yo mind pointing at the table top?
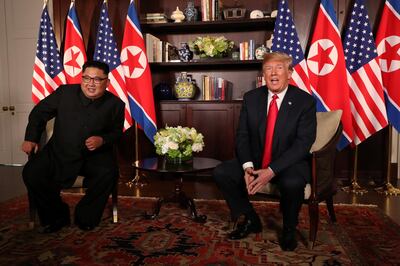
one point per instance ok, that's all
(160, 165)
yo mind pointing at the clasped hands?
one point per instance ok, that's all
(256, 179)
(91, 143)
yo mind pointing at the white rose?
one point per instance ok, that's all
(196, 147)
(172, 145)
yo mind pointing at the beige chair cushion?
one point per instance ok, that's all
(272, 189)
(327, 125)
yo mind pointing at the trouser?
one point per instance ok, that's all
(229, 177)
(39, 178)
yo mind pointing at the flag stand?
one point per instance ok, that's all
(354, 186)
(136, 180)
(388, 188)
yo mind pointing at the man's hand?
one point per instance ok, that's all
(248, 177)
(263, 177)
(28, 147)
(94, 142)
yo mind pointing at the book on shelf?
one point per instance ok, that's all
(216, 89)
(153, 48)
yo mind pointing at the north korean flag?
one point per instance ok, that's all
(74, 48)
(388, 46)
(327, 69)
(137, 75)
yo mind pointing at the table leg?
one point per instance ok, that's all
(178, 196)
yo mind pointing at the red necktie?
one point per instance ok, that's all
(269, 131)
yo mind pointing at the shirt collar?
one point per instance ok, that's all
(280, 94)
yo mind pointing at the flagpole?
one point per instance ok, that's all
(388, 188)
(354, 187)
(136, 180)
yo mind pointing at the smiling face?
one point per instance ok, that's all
(277, 71)
(94, 82)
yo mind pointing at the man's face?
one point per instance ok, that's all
(276, 75)
(94, 82)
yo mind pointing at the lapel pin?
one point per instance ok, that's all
(290, 103)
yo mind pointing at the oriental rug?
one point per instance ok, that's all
(363, 235)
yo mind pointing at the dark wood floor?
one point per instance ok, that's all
(198, 187)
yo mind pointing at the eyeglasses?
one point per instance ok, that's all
(96, 80)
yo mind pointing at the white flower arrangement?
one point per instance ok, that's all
(178, 142)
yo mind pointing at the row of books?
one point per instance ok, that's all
(214, 88)
(260, 81)
(210, 10)
(155, 18)
(160, 51)
(247, 50)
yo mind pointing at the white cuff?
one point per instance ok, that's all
(247, 165)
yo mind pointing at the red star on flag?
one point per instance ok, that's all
(132, 61)
(323, 56)
(73, 62)
(390, 54)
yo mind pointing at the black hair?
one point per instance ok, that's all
(96, 64)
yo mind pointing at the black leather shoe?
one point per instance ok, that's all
(56, 226)
(245, 228)
(288, 241)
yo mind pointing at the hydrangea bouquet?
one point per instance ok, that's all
(211, 46)
(178, 142)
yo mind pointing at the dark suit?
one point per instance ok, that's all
(65, 156)
(294, 133)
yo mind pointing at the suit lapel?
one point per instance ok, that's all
(262, 115)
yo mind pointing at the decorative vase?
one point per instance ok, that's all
(260, 52)
(179, 160)
(163, 91)
(177, 15)
(185, 55)
(184, 88)
(191, 11)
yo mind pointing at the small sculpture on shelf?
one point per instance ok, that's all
(185, 55)
(190, 11)
(177, 15)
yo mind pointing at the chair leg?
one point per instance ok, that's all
(32, 212)
(313, 212)
(114, 197)
(331, 210)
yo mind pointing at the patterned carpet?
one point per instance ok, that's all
(362, 236)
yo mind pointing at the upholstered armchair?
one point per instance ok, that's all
(323, 184)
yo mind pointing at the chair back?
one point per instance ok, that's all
(329, 130)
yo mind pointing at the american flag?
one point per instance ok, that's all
(388, 45)
(74, 48)
(286, 40)
(137, 75)
(364, 77)
(106, 51)
(48, 72)
(327, 69)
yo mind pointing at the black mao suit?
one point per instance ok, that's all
(294, 133)
(65, 156)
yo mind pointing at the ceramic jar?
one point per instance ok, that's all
(185, 55)
(261, 51)
(190, 11)
(177, 15)
(184, 88)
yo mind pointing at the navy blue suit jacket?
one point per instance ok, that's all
(294, 132)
